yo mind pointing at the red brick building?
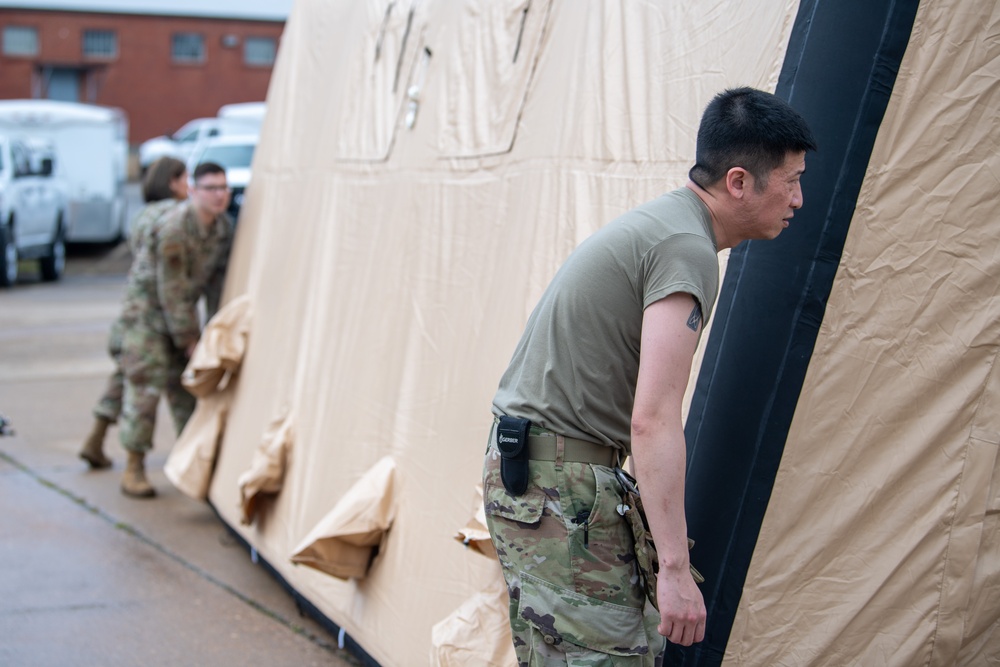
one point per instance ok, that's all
(162, 70)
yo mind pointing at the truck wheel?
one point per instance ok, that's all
(8, 258)
(54, 263)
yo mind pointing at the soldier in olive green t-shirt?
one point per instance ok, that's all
(562, 376)
(601, 372)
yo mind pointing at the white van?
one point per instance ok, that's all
(91, 145)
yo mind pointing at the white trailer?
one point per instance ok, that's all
(91, 147)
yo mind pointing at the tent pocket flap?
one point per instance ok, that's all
(192, 459)
(475, 534)
(345, 542)
(477, 634)
(595, 624)
(267, 468)
(220, 349)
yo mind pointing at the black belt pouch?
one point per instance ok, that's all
(512, 441)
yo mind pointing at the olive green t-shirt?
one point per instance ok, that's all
(574, 370)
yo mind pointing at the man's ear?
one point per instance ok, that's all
(738, 182)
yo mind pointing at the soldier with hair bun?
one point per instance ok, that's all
(164, 187)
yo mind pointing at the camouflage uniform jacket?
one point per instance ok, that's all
(144, 220)
(178, 260)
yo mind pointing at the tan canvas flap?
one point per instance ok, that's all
(475, 534)
(220, 349)
(192, 459)
(209, 377)
(267, 469)
(346, 540)
(477, 633)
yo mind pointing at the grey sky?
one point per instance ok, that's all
(243, 9)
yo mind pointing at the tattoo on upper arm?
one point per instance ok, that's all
(694, 319)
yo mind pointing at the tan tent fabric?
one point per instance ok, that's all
(394, 241)
(346, 541)
(880, 543)
(477, 633)
(267, 468)
(210, 375)
(488, 73)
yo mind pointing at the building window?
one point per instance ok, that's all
(259, 51)
(100, 44)
(20, 41)
(188, 47)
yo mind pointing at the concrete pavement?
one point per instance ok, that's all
(88, 576)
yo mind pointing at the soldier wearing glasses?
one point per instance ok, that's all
(182, 258)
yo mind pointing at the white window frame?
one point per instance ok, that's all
(105, 40)
(186, 40)
(260, 51)
(20, 40)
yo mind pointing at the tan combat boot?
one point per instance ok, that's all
(93, 446)
(134, 481)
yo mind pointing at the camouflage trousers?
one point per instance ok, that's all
(569, 562)
(152, 367)
(110, 404)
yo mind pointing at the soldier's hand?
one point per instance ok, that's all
(682, 607)
(190, 349)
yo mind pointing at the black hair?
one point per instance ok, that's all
(746, 127)
(207, 168)
(159, 175)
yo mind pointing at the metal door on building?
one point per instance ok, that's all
(62, 83)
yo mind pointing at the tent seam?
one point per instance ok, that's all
(947, 561)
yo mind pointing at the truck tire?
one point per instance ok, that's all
(8, 258)
(54, 263)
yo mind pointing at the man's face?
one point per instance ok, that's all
(769, 211)
(210, 194)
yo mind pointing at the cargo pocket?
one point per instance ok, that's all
(603, 561)
(525, 508)
(513, 521)
(579, 626)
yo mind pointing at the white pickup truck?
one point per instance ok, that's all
(32, 211)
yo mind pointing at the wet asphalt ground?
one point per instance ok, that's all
(88, 576)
